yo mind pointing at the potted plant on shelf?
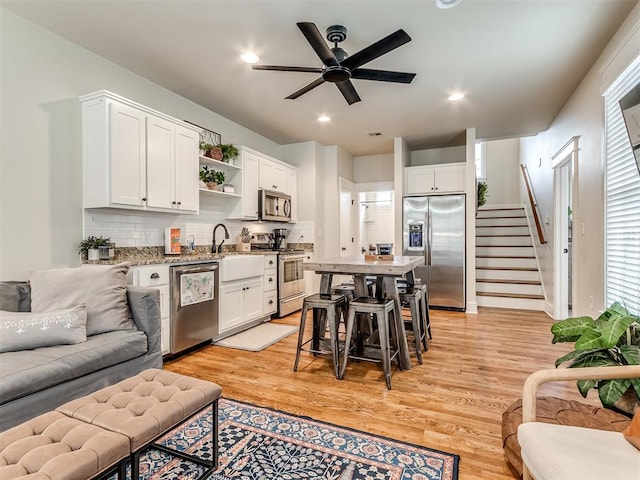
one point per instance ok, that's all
(229, 152)
(91, 247)
(211, 177)
(211, 151)
(611, 339)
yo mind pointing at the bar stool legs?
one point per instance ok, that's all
(385, 316)
(325, 308)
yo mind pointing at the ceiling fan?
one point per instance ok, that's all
(339, 67)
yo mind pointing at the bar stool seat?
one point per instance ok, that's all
(424, 302)
(383, 309)
(326, 310)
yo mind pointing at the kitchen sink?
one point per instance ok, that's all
(236, 267)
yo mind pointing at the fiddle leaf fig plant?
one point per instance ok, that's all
(611, 339)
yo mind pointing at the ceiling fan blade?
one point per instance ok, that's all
(280, 68)
(306, 88)
(382, 75)
(315, 39)
(348, 92)
(377, 49)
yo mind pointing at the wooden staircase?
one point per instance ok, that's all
(506, 270)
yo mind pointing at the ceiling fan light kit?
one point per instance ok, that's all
(338, 67)
(444, 4)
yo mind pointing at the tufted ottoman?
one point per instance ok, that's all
(145, 407)
(53, 446)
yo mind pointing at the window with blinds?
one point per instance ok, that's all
(622, 196)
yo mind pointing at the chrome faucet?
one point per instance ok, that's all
(226, 237)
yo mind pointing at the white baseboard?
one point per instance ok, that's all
(472, 308)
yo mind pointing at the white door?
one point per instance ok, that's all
(347, 218)
(160, 163)
(231, 300)
(253, 299)
(186, 169)
(128, 155)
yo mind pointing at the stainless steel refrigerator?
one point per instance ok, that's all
(434, 227)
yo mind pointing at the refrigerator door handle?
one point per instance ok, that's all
(427, 251)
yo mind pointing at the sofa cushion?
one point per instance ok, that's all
(102, 288)
(29, 371)
(28, 330)
(15, 296)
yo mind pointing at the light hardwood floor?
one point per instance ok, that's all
(474, 369)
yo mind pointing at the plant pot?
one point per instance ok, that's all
(214, 153)
(93, 255)
(211, 185)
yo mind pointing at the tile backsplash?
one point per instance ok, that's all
(131, 228)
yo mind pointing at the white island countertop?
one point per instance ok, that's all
(356, 264)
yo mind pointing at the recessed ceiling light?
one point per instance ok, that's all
(324, 118)
(447, 3)
(250, 57)
(456, 96)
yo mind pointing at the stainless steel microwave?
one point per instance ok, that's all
(274, 206)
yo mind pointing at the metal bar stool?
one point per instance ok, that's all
(386, 324)
(413, 297)
(424, 307)
(326, 309)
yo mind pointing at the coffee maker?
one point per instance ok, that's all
(279, 238)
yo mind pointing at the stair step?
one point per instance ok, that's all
(508, 251)
(517, 269)
(508, 288)
(504, 235)
(482, 222)
(528, 296)
(514, 282)
(505, 261)
(510, 302)
(500, 212)
(500, 230)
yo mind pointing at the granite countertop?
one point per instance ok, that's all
(155, 255)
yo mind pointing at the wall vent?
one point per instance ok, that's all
(374, 134)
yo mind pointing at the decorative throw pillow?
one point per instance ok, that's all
(102, 288)
(632, 432)
(15, 296)
(29, 330)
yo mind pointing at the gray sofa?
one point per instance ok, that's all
(38, 380)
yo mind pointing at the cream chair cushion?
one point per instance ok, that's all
(561, 452)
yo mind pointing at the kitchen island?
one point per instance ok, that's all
(386, 271)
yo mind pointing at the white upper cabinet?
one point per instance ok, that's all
(246, 207)
(434, 179)
(273, 176)
(135, 157)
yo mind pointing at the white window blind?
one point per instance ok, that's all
(622, 192)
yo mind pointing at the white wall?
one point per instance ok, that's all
(582, 116)
(434, 156)
(502, 161)
(40, 165)
(373, 168)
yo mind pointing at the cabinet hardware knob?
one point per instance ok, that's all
(144, 199)
(271, 279)
(173, 203)
(270, 302)
(155, 275)
(179, 203)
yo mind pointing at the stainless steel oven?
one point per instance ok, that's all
(290, 282)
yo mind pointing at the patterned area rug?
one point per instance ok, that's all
(263, 444)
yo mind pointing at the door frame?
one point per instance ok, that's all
(565, 173)
(347, 186)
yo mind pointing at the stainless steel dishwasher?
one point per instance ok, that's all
(194, 305)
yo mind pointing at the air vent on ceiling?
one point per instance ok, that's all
(374, 134)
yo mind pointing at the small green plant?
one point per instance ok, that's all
(92, 242)
(205, 146)
(482, 193)
(611, 339)
(209, 175)
(228, 151)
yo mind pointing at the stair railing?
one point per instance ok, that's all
(534, 203)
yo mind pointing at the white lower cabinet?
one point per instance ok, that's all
(241, 301)
(156, 276)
